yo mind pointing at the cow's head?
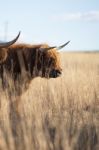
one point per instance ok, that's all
(47, 62)
(4, 46)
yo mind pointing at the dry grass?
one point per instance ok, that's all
(55, 114)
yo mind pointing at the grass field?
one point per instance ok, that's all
(55, 114)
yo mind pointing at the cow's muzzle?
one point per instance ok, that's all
(55, 73)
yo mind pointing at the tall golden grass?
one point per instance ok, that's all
(54, 114)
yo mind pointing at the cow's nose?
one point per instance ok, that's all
(55, 73)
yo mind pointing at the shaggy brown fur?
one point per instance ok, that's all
(32, 60)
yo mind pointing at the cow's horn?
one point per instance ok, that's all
(7, 44)
(62, 46)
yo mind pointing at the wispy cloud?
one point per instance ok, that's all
(78, 16)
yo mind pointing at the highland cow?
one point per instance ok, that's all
(26, 61)
(23, 62)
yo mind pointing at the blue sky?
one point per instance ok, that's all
(52, 21)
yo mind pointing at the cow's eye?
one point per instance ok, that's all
(50, 62)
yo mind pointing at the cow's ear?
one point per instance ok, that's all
(47, 49)
(3, 55)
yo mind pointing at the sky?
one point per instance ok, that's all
(51, 21)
